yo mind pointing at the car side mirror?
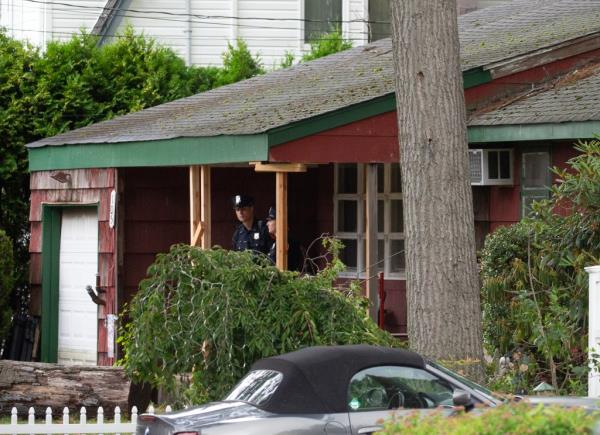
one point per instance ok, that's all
(462, 398)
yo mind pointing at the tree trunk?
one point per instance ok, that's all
(444, 314)
(26, 384)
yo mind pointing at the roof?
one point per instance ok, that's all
(351, 78)
(569, 103)
(316, 379)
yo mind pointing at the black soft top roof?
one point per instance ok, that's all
(315, 379)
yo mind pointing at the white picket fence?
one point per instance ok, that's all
(66, 427)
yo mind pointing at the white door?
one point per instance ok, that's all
(77, 314)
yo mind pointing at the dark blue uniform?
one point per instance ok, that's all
(295, 256)
(256, 238)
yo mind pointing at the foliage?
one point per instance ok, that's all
(16, 62)
(534, 285)
(326, 44)
(238, 64)
(515, 418)
(6, 282)
(215, 312)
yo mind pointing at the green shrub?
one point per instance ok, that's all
(238, 64)
(6, 282)
(519, 418)
(326, 44)
(214, 312)
(535, 288)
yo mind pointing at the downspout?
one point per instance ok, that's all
(188, 31)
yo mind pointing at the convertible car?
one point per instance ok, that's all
(331, 390)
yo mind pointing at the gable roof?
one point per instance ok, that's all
(570, 107)
(327, 92)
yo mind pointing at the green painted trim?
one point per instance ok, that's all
(356, 112)
(530, 132)
(337, 118)
(51, 218)
(476, 77)
(171, 152)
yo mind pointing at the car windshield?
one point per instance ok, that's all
(256, 387)
(465, 381)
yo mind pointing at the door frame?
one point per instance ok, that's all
(51, 230)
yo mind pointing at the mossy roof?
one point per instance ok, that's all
(326, 85)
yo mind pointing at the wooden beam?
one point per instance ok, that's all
(194, 202)
(371, 240)
(281, 221)
(205, 209)
(278, 167)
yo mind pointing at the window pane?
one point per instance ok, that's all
(380, 255)
(380, 179)
(397, 257)
(392, 387)
(397, 216)
(380, 216)
(535, 169)
(347, 216)
(379, 19)
(505, 165)
(347, 178)
(396, 178)
(493, 165)
(256, 387)
(349, 253)
(322, 16)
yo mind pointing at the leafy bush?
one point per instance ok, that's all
(215, 312)
(516, 418)
(238, 64)
(534, 290)
(6, 282)
(326, 44)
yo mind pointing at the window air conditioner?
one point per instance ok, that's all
(491, 167)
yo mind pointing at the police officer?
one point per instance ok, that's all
(250, 234)
(295, 256)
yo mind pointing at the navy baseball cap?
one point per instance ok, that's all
(271, 214)
(239, 201)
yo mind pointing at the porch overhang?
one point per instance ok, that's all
(533, 132)
(182, 151)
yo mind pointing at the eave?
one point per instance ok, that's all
(533, 132)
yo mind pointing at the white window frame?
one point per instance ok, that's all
(360, 235)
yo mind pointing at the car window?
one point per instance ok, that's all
(256, 387)
(391, 387)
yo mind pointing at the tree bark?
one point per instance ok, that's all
(444, 314)
(26, 384)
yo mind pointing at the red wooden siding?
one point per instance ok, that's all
(85, 187)
(155, 207)
(374, 139)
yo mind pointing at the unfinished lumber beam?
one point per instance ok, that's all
(281, 222)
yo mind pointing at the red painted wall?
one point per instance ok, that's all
(86, 186)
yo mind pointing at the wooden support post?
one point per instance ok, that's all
(200, 206)
(205, 209)
(281, 222)
(371, 239)
(194, 204)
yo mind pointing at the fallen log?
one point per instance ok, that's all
(39, 385)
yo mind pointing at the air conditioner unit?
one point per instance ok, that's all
(491, 167)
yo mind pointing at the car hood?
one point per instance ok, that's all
(566, 401)
(211, 413)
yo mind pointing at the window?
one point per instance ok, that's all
(392, 387)
(321, 16)
(349, 217)
(379, 19)
(256, 387)
(535, 179)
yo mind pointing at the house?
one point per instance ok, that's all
(106, 198)
(199, 30)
